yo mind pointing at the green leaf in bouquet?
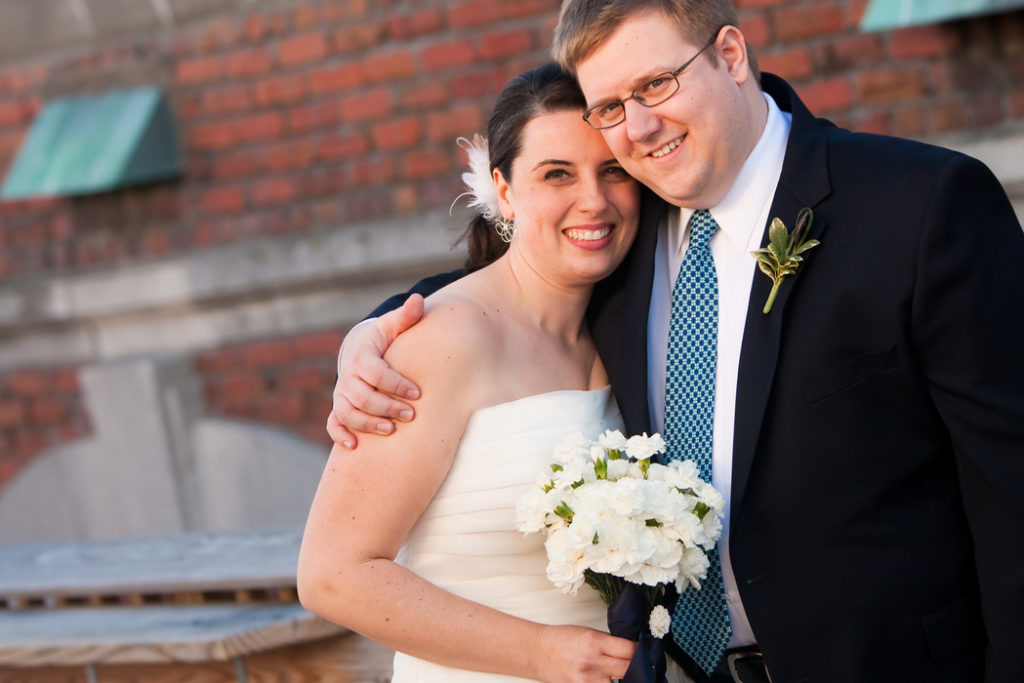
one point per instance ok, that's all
(601, 468)
(555, 467)
(645, 466)
(701, 509)
(652, 522)
(565, 512)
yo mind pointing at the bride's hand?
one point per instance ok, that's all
(574, 654)
(361, 400)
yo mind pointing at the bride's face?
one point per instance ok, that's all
(574, 206)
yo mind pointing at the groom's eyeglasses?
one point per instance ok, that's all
(651, 93)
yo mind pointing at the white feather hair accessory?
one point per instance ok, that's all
(479, 182)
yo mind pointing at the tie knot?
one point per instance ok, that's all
(702, 226)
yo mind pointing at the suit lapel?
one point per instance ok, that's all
(804, 182)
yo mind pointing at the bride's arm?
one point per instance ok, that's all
(369, 499)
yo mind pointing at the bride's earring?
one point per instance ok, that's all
(505, 227)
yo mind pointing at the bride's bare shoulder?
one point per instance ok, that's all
(458, 336)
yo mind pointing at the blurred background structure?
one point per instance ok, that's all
(200, 197)
(173, 340)
(164, 326)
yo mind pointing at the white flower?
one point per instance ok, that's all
(571, 473)
(660, 621)
(617, 469)
(565, 568)
(680, 473)
(571, 447)
(532, 510)
(711, 497)
(613, 440)
(693, 568)
(643, 447)
(685, 529)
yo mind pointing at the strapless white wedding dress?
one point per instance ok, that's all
(466, 541)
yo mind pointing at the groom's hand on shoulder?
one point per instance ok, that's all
(364, 393)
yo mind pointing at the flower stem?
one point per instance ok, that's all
(771, 296)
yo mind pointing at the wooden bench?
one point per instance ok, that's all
(191, 607)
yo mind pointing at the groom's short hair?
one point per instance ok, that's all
(584, 24)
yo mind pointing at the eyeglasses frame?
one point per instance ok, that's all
(674, 75)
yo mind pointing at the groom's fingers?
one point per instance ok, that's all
(339, 434)
(399, 320)
(389, 327)
(368, 394)
(358, 407)
(372, 378)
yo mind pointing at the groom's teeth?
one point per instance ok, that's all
(588, 235)
(666, 149)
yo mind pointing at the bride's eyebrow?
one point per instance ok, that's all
(552, 162)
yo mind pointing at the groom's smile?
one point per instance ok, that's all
(661, 152)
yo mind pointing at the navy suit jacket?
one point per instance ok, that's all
(877, 514)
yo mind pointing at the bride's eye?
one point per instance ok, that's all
(617, 172)
(556, 174)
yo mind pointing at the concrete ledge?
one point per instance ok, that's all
(360, 254)
(257, 289)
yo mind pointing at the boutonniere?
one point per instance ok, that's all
(782, 256)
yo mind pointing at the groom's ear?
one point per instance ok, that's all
(503, 194)
(731, 48)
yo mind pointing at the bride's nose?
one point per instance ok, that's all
(592, 196)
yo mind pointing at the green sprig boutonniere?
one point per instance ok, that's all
(782, 256)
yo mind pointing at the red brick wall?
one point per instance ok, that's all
(917, 82)
(281, 382)
(39, 408)
(325, 113)
(320, 114)
(305, 118)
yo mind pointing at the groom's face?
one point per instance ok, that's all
(690, 147)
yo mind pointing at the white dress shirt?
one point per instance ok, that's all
(741, 216)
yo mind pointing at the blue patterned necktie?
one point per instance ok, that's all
(700, 623)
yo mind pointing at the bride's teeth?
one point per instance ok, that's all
(665, 150)
(588, 235)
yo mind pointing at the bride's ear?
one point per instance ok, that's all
(504, 192)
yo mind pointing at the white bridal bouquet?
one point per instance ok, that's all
(612, 516)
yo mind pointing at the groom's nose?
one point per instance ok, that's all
(641, 122)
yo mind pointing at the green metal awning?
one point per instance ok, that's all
(90, 144)
(882, 15)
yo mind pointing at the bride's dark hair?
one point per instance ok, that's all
(542, 90)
